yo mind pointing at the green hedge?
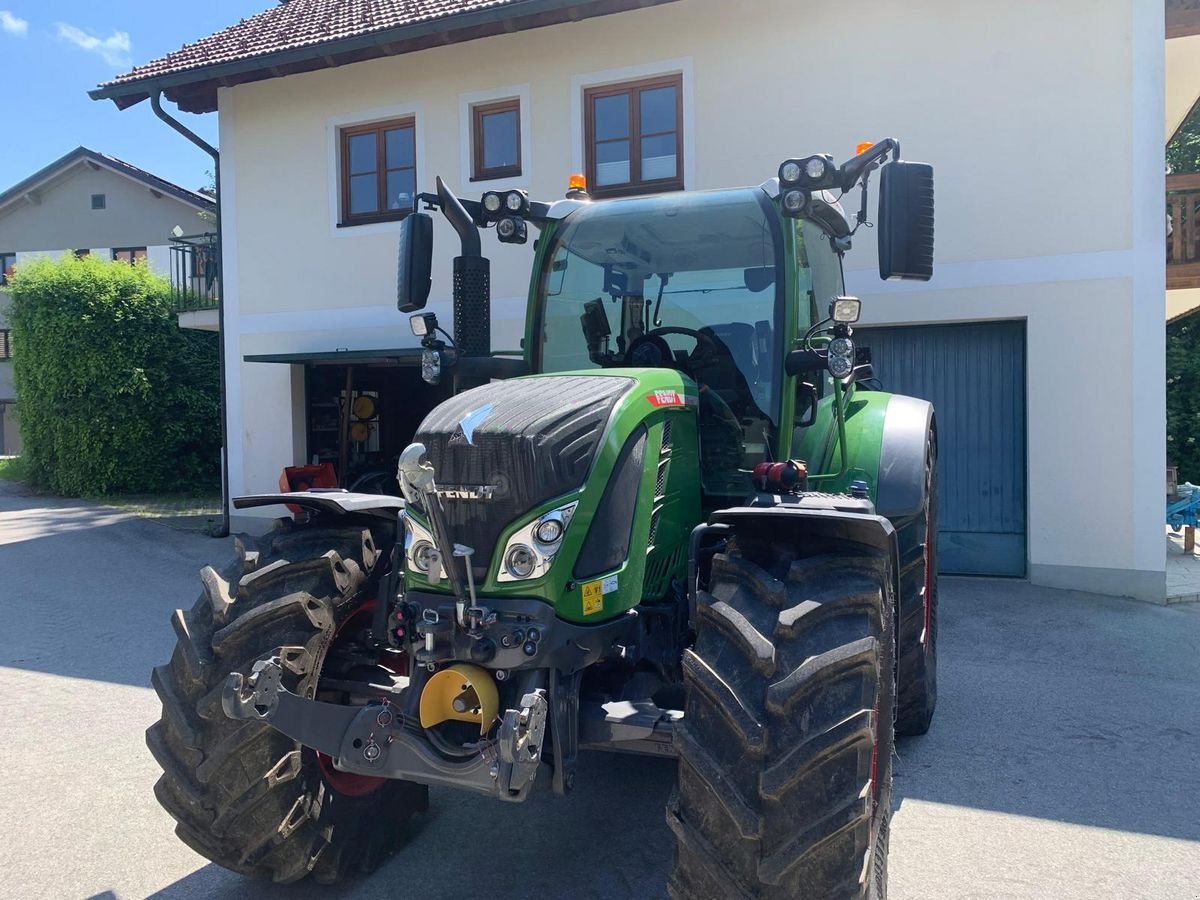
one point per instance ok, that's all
(114, 396)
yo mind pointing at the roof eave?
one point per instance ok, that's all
(456, 28)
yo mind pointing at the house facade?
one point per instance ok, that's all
(1040, 337)
(87, 203)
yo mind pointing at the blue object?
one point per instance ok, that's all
(1184, 512)
(859, 489)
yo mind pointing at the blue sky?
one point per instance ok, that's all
(53, 51)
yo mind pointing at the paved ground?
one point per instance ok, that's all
(1062, 763)
(1183, 570)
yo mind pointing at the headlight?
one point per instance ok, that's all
(515, 201)
(492, 202)
(431, 366)
(789, 172)
(420, 555)
(795, 203)
(814, 168)
(548, 531)
(532, 549)
(418, 544)
(845, 310)
(520, 561)
(841, 357)
(512, 230)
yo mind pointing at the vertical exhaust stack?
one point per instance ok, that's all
(472, 281)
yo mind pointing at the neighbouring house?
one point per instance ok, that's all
(1040, 338)
(89, 203)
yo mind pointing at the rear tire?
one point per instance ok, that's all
(244, 795)
(786, 745)
(917, 672)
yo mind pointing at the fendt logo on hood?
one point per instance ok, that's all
(467, 492)
(468, 423)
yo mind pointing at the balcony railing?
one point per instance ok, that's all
(1183, 231)
(195, 272)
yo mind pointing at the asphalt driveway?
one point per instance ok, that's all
(1063, 762)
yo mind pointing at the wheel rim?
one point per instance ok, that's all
(349, 784)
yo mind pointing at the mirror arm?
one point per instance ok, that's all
(854, 169)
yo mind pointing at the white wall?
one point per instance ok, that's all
(1043, 122)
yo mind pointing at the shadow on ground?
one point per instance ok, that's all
(1054, 706)
(1061, 705)
(88, 590)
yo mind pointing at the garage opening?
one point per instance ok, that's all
(975, 377)
(361, 409)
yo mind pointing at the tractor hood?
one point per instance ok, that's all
(506, 448)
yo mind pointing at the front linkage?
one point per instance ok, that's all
(382, 741)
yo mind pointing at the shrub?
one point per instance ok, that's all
(114, 396)
(1183, 398)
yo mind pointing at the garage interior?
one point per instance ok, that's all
(361, 439)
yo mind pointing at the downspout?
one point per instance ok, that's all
(156, 105)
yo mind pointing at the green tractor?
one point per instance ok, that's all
(681, 522)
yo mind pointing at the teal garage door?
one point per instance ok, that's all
(975, 377)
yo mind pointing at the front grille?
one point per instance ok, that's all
(525, 441)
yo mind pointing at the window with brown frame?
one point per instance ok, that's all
(129, 254)
(8, 262)
(634, 134)
(496, 140)
(82, 254)
(378, 171)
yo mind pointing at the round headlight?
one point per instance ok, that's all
(549, 531)
(514, 200)
(841, 357)
(814, 168)
(506, 227)
(492, 202)
(790, 172)
(795, 201)
(520, 561)
(420, 555)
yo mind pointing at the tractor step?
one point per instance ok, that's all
(625, 726)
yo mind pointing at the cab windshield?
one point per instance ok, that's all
(688, 281)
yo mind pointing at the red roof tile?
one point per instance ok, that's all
(301, 23)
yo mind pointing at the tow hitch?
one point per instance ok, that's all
(379, 740)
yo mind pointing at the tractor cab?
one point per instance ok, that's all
(694, 282)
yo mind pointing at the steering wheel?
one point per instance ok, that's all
(651, 351)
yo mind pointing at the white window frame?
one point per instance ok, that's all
(518, 92)
(681, 66)
(333, 127)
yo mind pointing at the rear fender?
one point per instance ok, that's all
(336, 502)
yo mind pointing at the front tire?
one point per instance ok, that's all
(244, 795)
(786, 744)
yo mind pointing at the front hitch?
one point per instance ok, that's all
(380, 741)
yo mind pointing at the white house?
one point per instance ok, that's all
(1040, 337)
(88, 203)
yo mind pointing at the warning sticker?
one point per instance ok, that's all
(593, 598)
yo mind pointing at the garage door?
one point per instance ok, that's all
(975, 377)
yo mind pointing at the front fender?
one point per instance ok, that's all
(886, 442)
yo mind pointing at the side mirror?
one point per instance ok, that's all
(413, 273)
(807, 400)
(906, 221)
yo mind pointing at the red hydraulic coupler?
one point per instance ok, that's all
(781, 477)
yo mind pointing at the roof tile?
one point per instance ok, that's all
(300, 23)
